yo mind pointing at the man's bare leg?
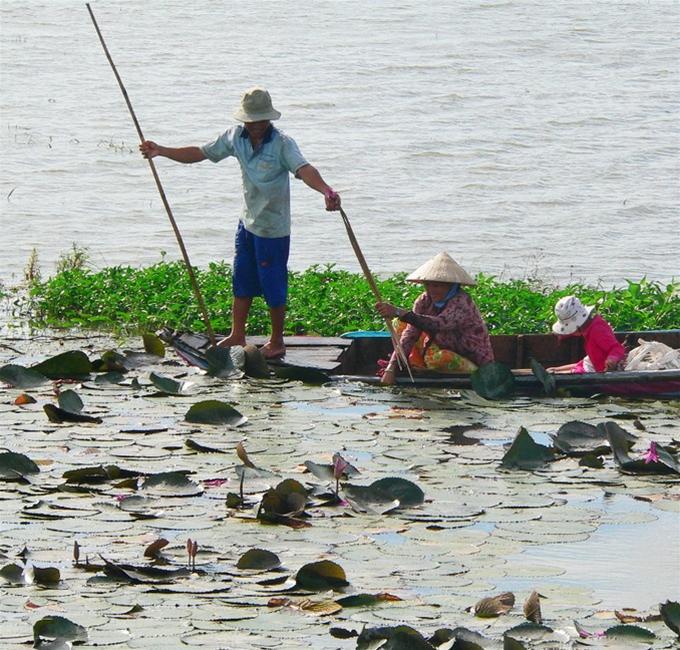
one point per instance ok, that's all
(239, 316)
(275, 347)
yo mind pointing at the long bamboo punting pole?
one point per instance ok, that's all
(371, 283)
(173, 223)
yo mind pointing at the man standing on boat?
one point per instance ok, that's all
(267, 157)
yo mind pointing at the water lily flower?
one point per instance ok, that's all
(651, 455)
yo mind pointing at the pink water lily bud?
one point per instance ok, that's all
(651, 455)
(339, 466)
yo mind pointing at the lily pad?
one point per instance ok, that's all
(214, 411)
(305, 375)
(546, 378)
(59, 415)
(171, 484)
(15, 466)
(67, 365)
(400, 637)
(99, 474)
(670, 612)
(525, 453)
(20, 377)
(618, 441)
(254, 363)
(70, 401)
(387, 490)
(320, 576)
(577, 438)
(258, 559)
(55, 628)
(221, 364)
(153, 345)
(493, 381)
(629, 633)
(169, 386)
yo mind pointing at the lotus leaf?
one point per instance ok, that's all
(111, 377)
(110, 361)
(70, 401)
(153, 345)
(24, 399)
(171, 484)
(577, 438)
(46, 576)
(495, 605)
(98, 474)
(387, 490)
(215, 412)
(493, 381)
(67, 365)
(15, 466)
(142, 574)
(255, 364)
(305, 375)
(153, 550)
(525, 453)
(58, 628)
(197, 446)
(13, 574)
(21, 377)
(169, 386)
(531, 631)
(221, 364)
(469, 640)
(629, 633)
(258, 559)
(619, 442)
(366, 600)
(400, 637)
(59, 415)
(546, 378)
(532, 608)
(320, 576)
(670, 612)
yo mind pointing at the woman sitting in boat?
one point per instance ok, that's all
(444, 331)
(603, 352)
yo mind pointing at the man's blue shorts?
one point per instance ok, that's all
(260, 267)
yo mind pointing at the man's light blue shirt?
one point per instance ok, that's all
(265, 172)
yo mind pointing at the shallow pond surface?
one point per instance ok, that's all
(590, 540)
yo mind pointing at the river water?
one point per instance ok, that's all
(524, 137)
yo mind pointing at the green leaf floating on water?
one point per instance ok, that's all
(13, 574)
(21, 377)
(98, 474)
(46, 576)
(176, 484)
(58, 628)
(619, 439)
(15, 466)
(320, 576)
(258, 559)
(70, 401)
(633, 633)
(577, 438)
(670, 612)
(67, 365)
(305, 375)
(213, 411)
(59, 415)
(169, 386)
(221, 363)
(386, 490)
(525, 453)
(153, 345)
(546, 378)
(399, 637)
(493, 381)
(255, 363)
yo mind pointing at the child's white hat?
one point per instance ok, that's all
(571, 314)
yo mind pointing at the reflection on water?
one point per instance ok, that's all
(626, 565)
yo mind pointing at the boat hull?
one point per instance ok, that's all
(354, 358)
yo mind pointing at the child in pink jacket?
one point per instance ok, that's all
(603, 352)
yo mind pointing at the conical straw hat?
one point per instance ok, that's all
(441, 268)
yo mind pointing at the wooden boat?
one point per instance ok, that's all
(354, 357)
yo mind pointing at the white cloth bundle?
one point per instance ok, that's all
(653, 355)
